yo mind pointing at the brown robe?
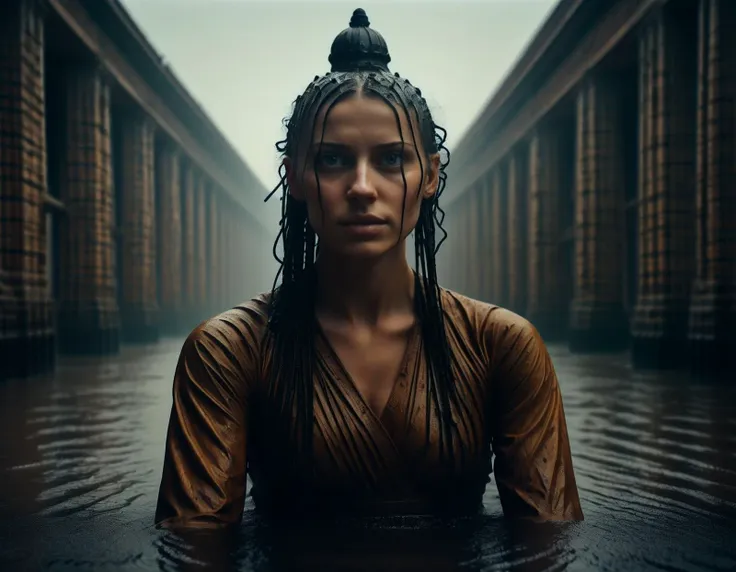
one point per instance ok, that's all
(510, 402)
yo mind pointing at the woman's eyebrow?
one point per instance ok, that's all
(335, 145)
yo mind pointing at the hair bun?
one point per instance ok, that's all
(359, 47)
(359, 19)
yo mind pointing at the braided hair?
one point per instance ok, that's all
(359, 59)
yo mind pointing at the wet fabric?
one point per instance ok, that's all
(509, 403)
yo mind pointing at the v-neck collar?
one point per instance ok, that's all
(397, 398)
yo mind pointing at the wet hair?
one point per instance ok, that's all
(359, 58)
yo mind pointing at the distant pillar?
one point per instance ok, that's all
(139, 311)
(546, 299)
(500, 237)
(713, 310)
(89, 318)
(517, 218)
(242, 270)
(223, 253)
(189, 263)
(213, 257)
(453, 238)
(169, 223)
(200, 248)
(228, 252)
(470, 248)
(485, 256)
(666, 198)
(27, 334)
(598, 320)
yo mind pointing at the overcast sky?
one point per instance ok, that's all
(245, 62)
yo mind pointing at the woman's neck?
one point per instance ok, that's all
(360, 291)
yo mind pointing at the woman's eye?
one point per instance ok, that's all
(392, 159)
(329, 160)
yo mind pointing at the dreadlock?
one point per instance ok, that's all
(358, 67)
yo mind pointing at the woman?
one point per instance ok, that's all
(359, 384)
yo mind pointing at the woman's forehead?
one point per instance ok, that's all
(361, 114)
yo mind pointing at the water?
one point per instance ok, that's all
(81, 457)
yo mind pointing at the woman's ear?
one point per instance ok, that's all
(294, 189)
(432, 177)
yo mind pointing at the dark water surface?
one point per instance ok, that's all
(81, 456)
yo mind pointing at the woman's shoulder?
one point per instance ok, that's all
(491, 326)
(239, 331)
(480, 314)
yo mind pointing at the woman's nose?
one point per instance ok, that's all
(362, 185)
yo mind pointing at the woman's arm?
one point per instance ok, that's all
(533, 464)
(204, 476)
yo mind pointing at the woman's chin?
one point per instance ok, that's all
(366, 249)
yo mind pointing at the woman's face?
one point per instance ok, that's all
(360, 178)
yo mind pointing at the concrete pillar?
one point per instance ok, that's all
(89, 318)
(139, 307)
(189, 264)
(27, 341)
(230, 253)
(666, 198)
(169, 243)
(200, 248)
(453, 238)
(245, 245)
(213, 257)
(470, 252)
(598, 320)
(223, 257)
(485, 256)
(517, 230)
(546, 299)
(712, 329)
(500, 237)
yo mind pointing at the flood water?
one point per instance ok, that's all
(81, 457)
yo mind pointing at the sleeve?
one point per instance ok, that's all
(533, 463)
(204, 474)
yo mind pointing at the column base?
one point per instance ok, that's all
(659, 334)
(190, 320)
(172, 323)
(712, 330)
(140, 325)
(550, 325)
(8, 329)
(30, 349)
(597, 327)
(89, 329)
(31, 355)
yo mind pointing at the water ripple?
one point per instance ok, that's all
(655, 458)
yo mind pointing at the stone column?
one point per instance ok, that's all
(500, 237)
(213, 258)
(222, 256)
(598, 320)
(229, 252)
(543, 263)
(451, 245)
(712, 329)
(485, 255)
(189, 264)
(666, 199)
(470, 234)
(517, 233)
(89, 318)
(200, 248)
(238, 246)
(27, 338)
(139, 311)
(169, 223)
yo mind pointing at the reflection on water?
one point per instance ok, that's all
(81, 457)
